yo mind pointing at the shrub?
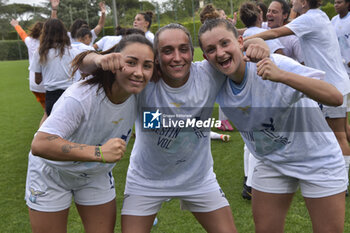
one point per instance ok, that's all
(329, 10)
(13, 50)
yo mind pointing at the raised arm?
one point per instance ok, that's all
(255, 50)
(234, 19)
(54, 8)
(315, 89)
(19, 29)
(272, 33)
(53, 147)
(102, 19)
(88, 62)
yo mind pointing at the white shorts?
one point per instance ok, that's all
(269, 180)
(148, 205)
(348, 103)
(49, 189)
(336, 112)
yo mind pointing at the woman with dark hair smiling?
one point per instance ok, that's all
(76, 148)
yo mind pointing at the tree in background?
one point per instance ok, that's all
(70, 10)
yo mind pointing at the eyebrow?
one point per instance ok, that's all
(135, 58)
(170, 46)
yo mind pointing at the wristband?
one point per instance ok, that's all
(101, 154)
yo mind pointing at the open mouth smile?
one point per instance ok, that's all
(226, 63)
(177, 67)
(138, 82)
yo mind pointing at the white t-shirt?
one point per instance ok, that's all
(320, 46)
(81, 47)
(32, 46)
(150, 36)
(108, 42)
(292, 47)
(56, 71)
(94, 37)
(342, 28)
(265, 25)
(82, 116)
(280, 126)
(274, 44)
(174, 161)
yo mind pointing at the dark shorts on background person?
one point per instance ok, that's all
(50, 99)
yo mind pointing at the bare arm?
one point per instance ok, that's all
(256, 49)
(53, 147)
(38, 78)
(19, 29)
(317, 90)
(102, 19)
(234, 19)
(279, 51)
(54, 8)
(272, 33)
(93, 61)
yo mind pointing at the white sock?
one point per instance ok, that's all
(214, 135)
(246, 160)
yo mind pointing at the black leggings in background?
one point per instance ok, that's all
(50, 99)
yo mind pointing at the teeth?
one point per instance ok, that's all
(225, 61)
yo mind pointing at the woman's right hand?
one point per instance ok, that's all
(113, 150)
(14, 23)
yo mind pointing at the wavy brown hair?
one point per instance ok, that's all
(249, 13)
(77, 24)
(313, 4)
(53, 36)
(36, 29)
(209, 12)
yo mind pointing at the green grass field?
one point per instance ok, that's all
(19, 118)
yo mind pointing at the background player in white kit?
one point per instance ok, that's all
(78, 23)
(277, 129)
(277, 16)
(32, 42)
(51, 62)
(341, 23)
(143, 21)
(82, 139)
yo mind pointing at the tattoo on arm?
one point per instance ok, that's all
(68, 147)
(51, 138)
(97, 152)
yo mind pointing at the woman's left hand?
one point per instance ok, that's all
(269, 71)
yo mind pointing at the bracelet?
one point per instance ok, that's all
(101, 154)
(54, 9)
